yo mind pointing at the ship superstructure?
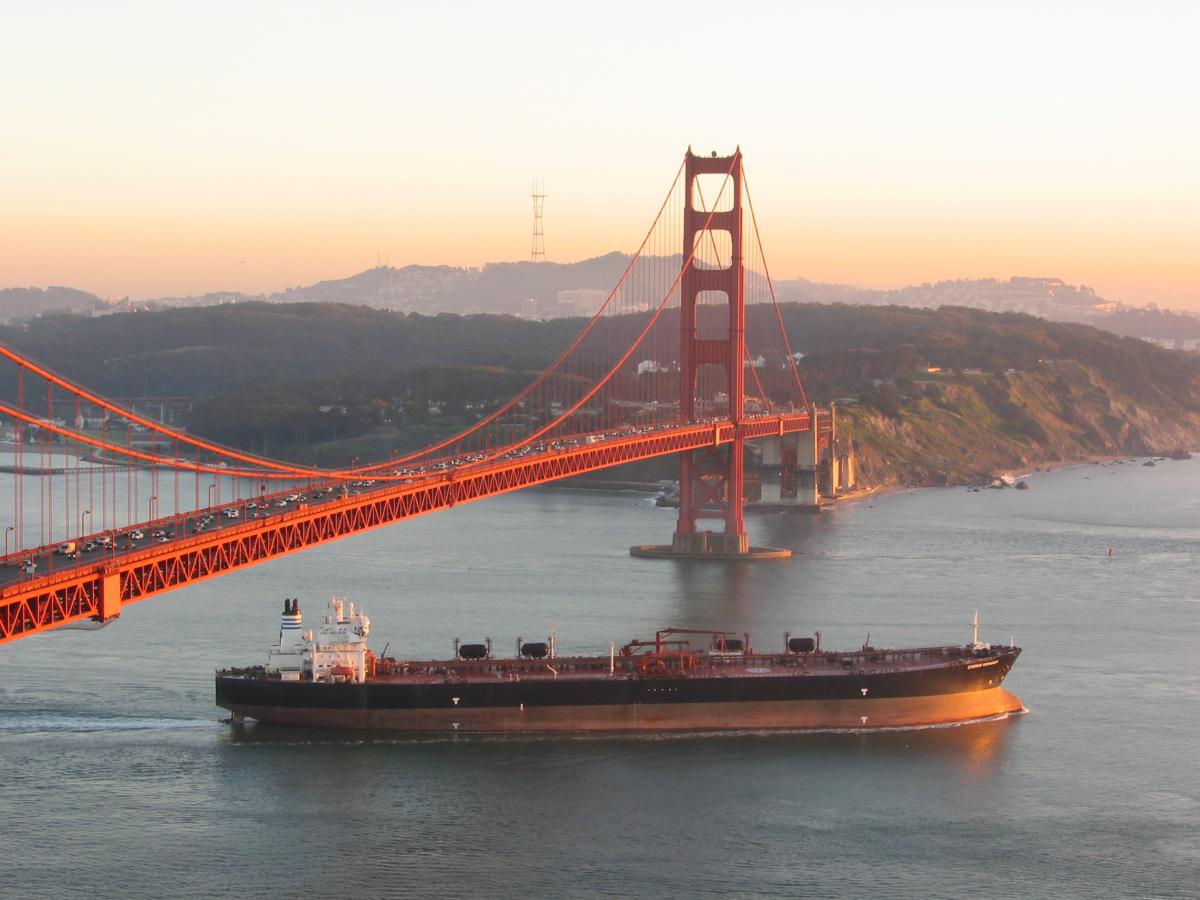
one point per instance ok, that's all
(336, 652)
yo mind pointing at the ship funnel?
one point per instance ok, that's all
(290, 624)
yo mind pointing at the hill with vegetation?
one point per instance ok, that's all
(926, 396)
(954, 396)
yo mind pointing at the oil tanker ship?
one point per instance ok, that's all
(683, 679)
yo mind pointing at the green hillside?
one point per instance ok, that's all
(326, 382)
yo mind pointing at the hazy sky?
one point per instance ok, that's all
(168, 148)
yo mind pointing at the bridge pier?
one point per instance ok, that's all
(803, 469)
(808, 464)
(770, 477)
(709, 545)
(789, 474)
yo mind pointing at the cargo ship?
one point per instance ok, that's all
(682, 680)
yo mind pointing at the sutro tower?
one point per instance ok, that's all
(538, 253)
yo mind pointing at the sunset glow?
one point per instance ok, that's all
(166, 149)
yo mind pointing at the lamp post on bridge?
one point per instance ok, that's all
(83, 515)
(212, 487)
(151, 508)
(11, 528)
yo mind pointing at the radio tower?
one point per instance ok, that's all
(538, 253)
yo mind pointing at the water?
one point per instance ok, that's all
(119, 778)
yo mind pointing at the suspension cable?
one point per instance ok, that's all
(774, 299)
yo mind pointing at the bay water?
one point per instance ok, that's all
(120, 779)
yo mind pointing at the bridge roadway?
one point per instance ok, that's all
(204, 543)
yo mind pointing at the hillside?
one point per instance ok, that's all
(496, 288)
(541, 290)
(1006, 390)
(1010, 390)
(963, 429)
(208, 350)
(25, 303)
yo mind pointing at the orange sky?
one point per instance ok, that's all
(152, 151)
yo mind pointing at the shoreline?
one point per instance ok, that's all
(1128, 459)
(1012, 475)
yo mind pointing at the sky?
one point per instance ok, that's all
(171, 148)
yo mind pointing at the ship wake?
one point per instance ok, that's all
(28, 722)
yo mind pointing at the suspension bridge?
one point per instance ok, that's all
(687, 355)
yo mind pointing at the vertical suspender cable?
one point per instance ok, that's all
(21, 430)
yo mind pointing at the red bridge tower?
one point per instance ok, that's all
(711, 479)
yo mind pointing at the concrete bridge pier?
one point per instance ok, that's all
(808, 470)
(789, 476)
(836, 465)
(770, 475)
(808, 465)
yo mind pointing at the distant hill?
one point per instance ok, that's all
(508, 288)
(216, 349)
(410, 288)
(943, 396)
(25, 303)
(496, 288)
(1047, 298)
(549, 290)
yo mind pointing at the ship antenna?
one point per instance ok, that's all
(975, 629)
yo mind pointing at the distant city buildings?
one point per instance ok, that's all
(582, 301)
(576, 302)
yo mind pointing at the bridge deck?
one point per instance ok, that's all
(97, 589)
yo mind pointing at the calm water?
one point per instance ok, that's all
(120, 780)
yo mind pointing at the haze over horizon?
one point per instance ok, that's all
(159, 150)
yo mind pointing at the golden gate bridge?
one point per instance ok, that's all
(687, 355)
